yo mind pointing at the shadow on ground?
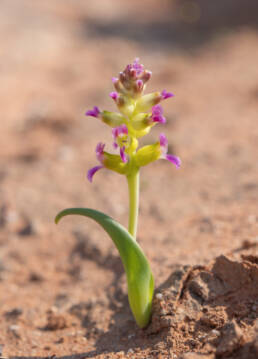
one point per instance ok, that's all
(186, 24)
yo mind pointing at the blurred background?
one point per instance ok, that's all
(57, 61)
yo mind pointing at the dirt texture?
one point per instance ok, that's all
(63, 289)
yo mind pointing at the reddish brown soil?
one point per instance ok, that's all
(63, 290)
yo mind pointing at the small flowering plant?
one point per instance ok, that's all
(138, 113)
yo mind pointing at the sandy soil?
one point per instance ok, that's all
(63, 290)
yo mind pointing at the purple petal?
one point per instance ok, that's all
(133, 73)
(174, 159)
(137, 66)
(114, 79)
(163, 141)
(100, 150)
(115, 132)
(122, 154)
(146, 75)
(157, 110)
(165, 94)
(114, 95)
(159, 119)
(139, 84)
(156, 116)
(135, 69)
(124, 129)
(120, 130)
(94, 112)
(115, 145)
(92, 172)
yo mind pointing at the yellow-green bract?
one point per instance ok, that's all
(139, 276)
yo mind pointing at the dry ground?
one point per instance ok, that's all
(63, 291)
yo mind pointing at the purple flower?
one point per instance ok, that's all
(94, 112)
(156, 115)
(166, 94)
(163, 142)
(100, 151)
(100, 156)
(120, 134)
(118, 131)
(114, 95)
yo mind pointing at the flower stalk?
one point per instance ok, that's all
(133, 180)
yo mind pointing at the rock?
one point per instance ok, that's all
(199, 288)
(14, 329)
(214, 318)
(55, 321)
(159, 296)
(231, 338)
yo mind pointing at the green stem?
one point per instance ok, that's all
(133, 186)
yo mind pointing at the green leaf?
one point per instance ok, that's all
(139, 276)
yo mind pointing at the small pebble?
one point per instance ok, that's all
(159, 296)
(14, 327)
(215, 332)
(202, 336)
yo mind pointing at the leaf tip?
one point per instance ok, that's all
(57, 218)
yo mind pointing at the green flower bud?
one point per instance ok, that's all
(146, 102)
(125, 105)
(148, 154)
(114, 163)
(113, 119)
(140, 121)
